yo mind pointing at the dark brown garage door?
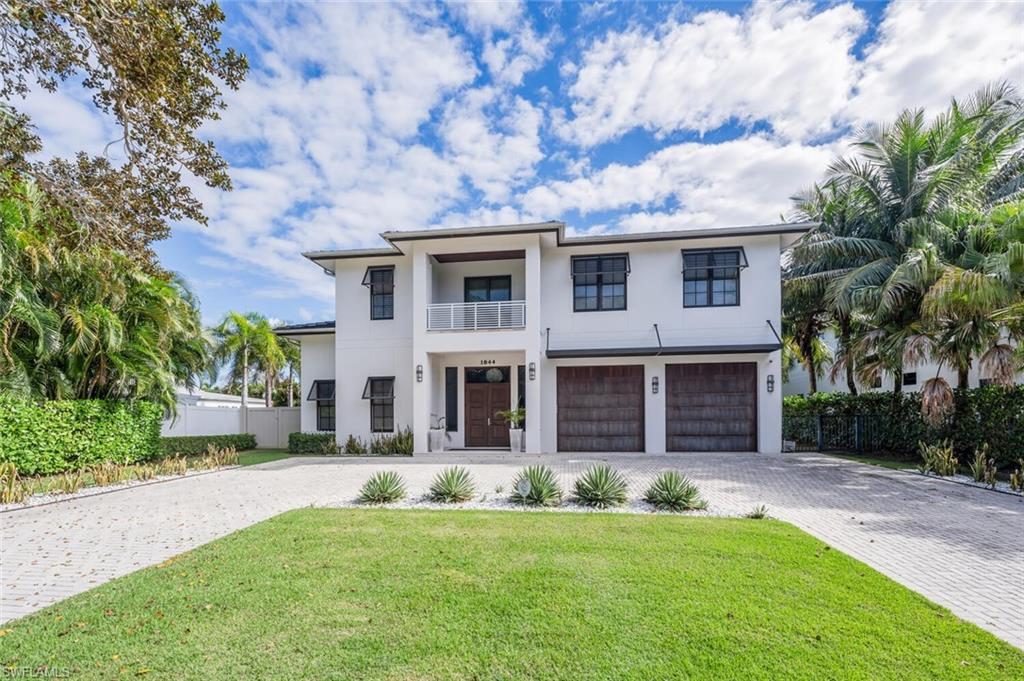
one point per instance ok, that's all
(601, 409)
(711, 407)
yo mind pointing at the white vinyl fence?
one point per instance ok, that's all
(270, 426)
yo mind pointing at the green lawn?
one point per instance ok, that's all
(386, 594)
(254, 456)
(896, 464)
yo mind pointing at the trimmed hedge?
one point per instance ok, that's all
(992, 414)
(188, 445)
(62, 435)
(312, 443)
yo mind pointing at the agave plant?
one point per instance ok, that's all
(536, 486)
(671, 491)
(12, 491)
(600, 486)
(383, 487)
(452, 486)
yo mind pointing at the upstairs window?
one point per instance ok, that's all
(711, 277)
(909, 378)
(381, 282)
(599, 282)
(487, 289)
(322, 393)
(380, 390)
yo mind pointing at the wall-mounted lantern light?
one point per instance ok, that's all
(654, 385)
(419, 373)
(771, 383)
(532, 369)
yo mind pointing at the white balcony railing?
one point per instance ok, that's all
(503, 314)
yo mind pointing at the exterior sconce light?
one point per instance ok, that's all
(771, 383)
(654, 385)
(419, 373)
(532, 369)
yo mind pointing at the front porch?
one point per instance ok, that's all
(464, 391)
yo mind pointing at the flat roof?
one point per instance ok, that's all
(394, 237)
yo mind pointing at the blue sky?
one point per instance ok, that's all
(357, 118)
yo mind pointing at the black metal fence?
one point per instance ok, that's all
(824, 433)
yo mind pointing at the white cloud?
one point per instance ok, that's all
(927, 52)
(494, 140)
(484, 16)
(745, 181)
(787, 64)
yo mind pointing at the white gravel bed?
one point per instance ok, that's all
(496, 502)
(961, 479)
(54, 497)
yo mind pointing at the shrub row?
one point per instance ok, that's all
(992, 415)
(61, 435)
(192, 445)
(400, 443)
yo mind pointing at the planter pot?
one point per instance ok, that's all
(515, 439)
(436, 440)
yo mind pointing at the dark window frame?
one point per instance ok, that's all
(490, 278)
(909, 381)
(322, 392)
(710, 277)
(451, 399)
(382, 294)
(382, 403)
(599, 274)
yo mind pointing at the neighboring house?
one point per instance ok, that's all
(204, 398)
(628, 342)
(798, 381)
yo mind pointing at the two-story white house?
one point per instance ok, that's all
(651, 342)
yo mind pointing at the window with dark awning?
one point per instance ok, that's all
(322, 393)
(321, 390)
(380, 390)
(599, 282)
(711, 276)
(381, 282)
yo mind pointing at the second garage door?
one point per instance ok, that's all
(711, 407)
(601, 409)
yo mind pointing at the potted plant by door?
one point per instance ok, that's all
(437, 435)
(515, 418)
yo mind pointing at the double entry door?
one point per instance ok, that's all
(488, 391)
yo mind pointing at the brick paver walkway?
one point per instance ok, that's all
(960, 547)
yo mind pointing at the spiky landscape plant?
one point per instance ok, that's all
(383, 487)
(671, 491)
(452, 486)
(536, 486)
(12, 491)
(759, 512)
(600, 486)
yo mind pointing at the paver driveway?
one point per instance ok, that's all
(960, 547)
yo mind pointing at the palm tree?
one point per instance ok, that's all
(269, 358)
(237, 344)
(87, 322)
(906, 196)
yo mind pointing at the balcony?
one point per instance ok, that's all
(503, 314)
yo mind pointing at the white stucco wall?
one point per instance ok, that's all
(317, 353)
(365, 347)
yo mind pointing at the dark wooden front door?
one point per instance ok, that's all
(711, 407)
(601, 409)
(483, 401)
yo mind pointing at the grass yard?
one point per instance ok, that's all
(895, 464)
(387, 594)
(252, 457)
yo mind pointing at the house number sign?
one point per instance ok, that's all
(487, 362)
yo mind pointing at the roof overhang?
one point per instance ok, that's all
(655, 351)
(297, 330)
(325, 259)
